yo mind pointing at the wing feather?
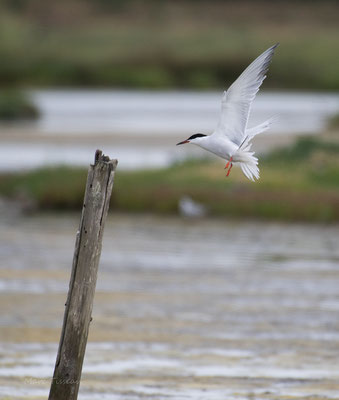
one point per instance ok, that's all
(237, 100)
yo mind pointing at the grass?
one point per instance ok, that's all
(297, 183)
(167, 44)
(334, 123)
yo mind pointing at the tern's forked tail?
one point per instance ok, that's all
(245, 157)
(248, 162)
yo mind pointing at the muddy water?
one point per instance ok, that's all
(184, 309)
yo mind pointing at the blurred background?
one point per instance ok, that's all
(208, 287)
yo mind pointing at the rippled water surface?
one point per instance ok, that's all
(184, 309)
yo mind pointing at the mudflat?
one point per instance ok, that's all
(184, 309)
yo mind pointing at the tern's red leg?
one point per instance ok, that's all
(228, 163)
(229, 170)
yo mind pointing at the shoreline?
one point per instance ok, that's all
(298, 183)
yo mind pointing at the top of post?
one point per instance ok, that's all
(100, 157)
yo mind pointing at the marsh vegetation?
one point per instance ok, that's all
(166, 44)
(16, 105)
(299, 182)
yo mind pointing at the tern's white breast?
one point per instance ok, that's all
(221, 146)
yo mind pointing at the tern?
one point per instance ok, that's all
(231, 140)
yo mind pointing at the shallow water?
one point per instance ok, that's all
(142, 112)
(141, 128)
(184, 309)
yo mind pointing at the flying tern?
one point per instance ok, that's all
(231, 140)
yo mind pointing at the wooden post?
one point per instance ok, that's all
(77, 317)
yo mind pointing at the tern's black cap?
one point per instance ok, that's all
(196, 135)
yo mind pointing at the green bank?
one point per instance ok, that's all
(166, 44)
(299, 183)
(15, 105)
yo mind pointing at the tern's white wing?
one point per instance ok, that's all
(236, 101)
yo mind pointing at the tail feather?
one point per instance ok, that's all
(251, 171)
(247, 161)
(244, 157)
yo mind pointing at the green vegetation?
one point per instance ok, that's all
(14, 105)
(334, 122)
(297, 183)
(165, 44)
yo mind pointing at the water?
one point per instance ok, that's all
(141, 128)
(184, 309)
(163, 113)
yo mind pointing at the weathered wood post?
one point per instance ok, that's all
(77, 317)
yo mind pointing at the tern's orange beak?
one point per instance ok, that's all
(183, 142)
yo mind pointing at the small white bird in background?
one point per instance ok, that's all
(231, 140)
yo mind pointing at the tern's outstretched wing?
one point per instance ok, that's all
(236, 101)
